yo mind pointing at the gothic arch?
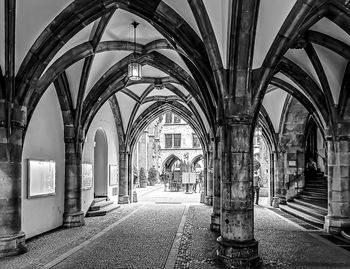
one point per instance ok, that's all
(169, 161)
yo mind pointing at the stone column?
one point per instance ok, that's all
(236, 245)
(210, 176)
(12, 239)
(73, 215)
(215, 216)
(130, 178)
(281, 171)
(272, 176)
(205, 169)
(123, 177)
(338, 217)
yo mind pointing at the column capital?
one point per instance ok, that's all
(240, 119)
(340, 132)
(70, 135)
(18, 115)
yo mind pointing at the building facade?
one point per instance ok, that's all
(165, 142)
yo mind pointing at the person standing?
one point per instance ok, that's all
(256, 187)
(311, 165)
(196, 184)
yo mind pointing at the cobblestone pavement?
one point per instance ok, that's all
(281, 244)
(45, 248)
(141, 236)
(143, 241)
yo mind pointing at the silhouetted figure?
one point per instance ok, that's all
(311, 165)
(256, 187)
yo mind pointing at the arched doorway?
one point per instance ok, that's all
(315, 145)
(197, 163)
(262, 164)
(170, 162)
(100, 163)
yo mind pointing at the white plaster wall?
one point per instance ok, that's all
(44, 140)
(104, 119)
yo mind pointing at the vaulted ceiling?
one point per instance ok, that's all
(89, 61)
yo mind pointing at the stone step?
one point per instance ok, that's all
(314, 221)
(316, 189)
(316, 195)
(99, 205)
(316, 181)
(320, 203)
(317, 199)
(321, 192)
(318, 214)
(320, 207)
(317, 186)
(313, 175)
(95, 213)
(103, 211)
(100, 199)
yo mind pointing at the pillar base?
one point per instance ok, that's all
(12, 245)
(73, 220)
(233, 254)
(202, 198)
(209, 200)
(215, 222)
(124, 199)
(335, 225)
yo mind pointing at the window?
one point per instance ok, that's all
(168, 117)
(177, 119)
(195, 141)
(177, 140)
(168, 140)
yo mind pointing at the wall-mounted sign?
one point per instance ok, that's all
(113, 175)
(86, 176)
(41, 178)
(292, 163)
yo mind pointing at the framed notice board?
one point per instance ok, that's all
(41, 178)
(113, 175)
(86, 176)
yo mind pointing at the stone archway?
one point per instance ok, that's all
(100, 163)
(169, 162)
(262, 155)
(196, 162)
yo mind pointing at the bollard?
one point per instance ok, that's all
(134, 196)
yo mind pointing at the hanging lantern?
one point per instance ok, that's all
(134, 71)
(134, 68)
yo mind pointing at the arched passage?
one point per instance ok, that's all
(197, 162)
(100, 163)
(315, 144)
(262, 156)
(169, 162)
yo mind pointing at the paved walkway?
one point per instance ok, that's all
(170, 230)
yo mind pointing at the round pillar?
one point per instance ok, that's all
(73, 215)
(12, 239)
(210, 176)
(338, 217)
(236, 245)
(123, 178)
(215, 216)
